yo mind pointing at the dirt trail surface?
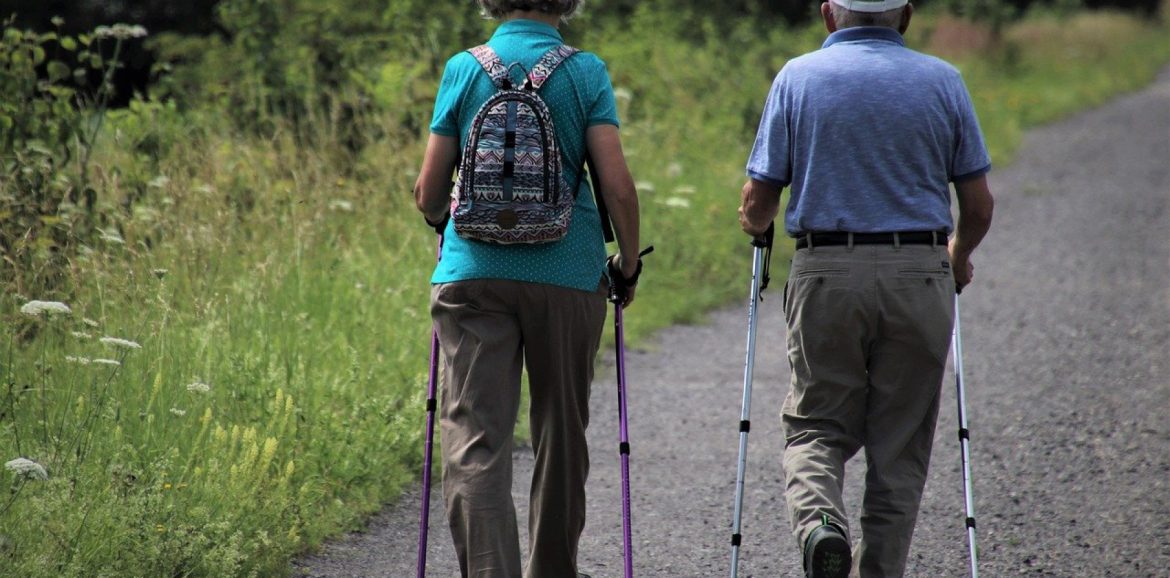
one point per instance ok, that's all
(1066, 336)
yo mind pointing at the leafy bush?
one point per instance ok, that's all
(50, 128)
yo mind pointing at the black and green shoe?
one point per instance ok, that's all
(827, 553)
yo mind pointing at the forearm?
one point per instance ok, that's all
(432, 190)
(760, 204)
(622, 205)
(976, 206)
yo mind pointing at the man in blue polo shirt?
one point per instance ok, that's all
(868, 135)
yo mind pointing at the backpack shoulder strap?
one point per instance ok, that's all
(491, 63)
(548, 64)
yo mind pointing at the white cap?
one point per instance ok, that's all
(870, 5)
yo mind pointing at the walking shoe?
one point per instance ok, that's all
(827, 553)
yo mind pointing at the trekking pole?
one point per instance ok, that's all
(428, 445)
(760, 277)
(616, 296)
(964, 439)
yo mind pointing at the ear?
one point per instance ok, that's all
(827, 16)
(906, 14)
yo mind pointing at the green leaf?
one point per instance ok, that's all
(38, 55)
(84, 39)
(58, 71)
(68, 43)
(95, 60)
(48, 36)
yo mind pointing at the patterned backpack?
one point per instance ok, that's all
(511, 187)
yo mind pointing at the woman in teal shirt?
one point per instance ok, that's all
(498, 308)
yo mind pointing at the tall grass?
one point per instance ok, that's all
(276, 288)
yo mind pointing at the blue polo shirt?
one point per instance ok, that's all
(868, 134)
(579, 95)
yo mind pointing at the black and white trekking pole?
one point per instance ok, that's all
(964, 439)
(428, 445)
(617, 295)
(760, 260)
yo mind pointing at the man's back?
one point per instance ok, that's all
(868, 133)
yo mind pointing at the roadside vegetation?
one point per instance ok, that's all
(213, 301)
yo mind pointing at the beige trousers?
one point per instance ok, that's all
(869, 330)
(488, 329)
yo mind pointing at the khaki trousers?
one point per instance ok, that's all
(487, 330)
(869, 330)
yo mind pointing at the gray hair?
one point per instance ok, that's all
(847, 18)
(500, 8)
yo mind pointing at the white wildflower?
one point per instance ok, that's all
(178, 412)
(160, 273)
(81, 335)
(623, 93)
(117, 342)
(78, 360)
(36, 308)
(199, 387)
(676, 202)
(26, 468)
(341, 205)
(674, 170)
(684, 190)
(112, 362)
(644, 186)
(89, 322)
(119, 31)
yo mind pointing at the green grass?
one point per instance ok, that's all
(292, 280)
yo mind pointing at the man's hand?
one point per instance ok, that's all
(759, 207)
(961, 267)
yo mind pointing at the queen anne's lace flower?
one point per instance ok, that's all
(117, 342)
(199, 387)
(113, 362)
(26, 468)
(37, 308)
(119, 31)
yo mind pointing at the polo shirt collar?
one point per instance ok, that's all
(522, 26)
(863, 33)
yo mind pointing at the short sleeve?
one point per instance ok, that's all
(770, 157)
(603, 109)
(445, 119)
(970, 153)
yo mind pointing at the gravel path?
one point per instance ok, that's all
(1067, 360)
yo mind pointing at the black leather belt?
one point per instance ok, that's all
(837, 238)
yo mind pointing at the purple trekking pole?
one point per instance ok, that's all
(617, 294)
(429, 445)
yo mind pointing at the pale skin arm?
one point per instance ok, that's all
(432, 190)
(618, 193)
(760, 203)
(976, 206)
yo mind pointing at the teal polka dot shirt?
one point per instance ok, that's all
(580, 95)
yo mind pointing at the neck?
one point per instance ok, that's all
(550, 19)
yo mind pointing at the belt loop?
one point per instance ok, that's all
(897, 240)
(809, 239)
(849, 236)
(933, 239)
